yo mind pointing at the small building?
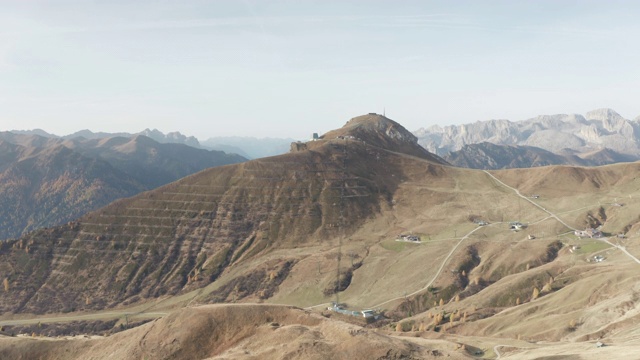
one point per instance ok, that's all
(531, 237)
(409, 238)
(368, 313)
(589, 232)
(599, 344)
(516, 226)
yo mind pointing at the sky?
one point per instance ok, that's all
(290, 68)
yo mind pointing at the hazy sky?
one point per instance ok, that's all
(290, 68)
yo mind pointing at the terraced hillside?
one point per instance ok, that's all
(184, 235)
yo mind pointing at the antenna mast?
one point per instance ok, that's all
(341, 229)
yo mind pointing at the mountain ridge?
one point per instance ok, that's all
(598, 129)
(487, 155)
(49, 181)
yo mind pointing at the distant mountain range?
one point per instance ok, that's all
(47, 180)
(248, 147)
(599, 137)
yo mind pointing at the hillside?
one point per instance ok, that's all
(185, 235)
(236, 332)
(598, 130)
(50, 181)
(322, 224)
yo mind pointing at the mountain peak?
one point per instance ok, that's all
(373, 123)
(380, 131)
(603, 114)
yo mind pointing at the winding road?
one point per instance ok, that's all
(606, 240)
(444, 262)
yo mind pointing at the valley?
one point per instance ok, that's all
(320, 224)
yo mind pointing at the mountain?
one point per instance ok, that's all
(172, 137)
(489, 262)
(88, 134)
(53, 185)
(384, 133)
(602, 129)
(184, 235)
(249, 147)
(486, 155)
(49, 181)
(38, 132)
